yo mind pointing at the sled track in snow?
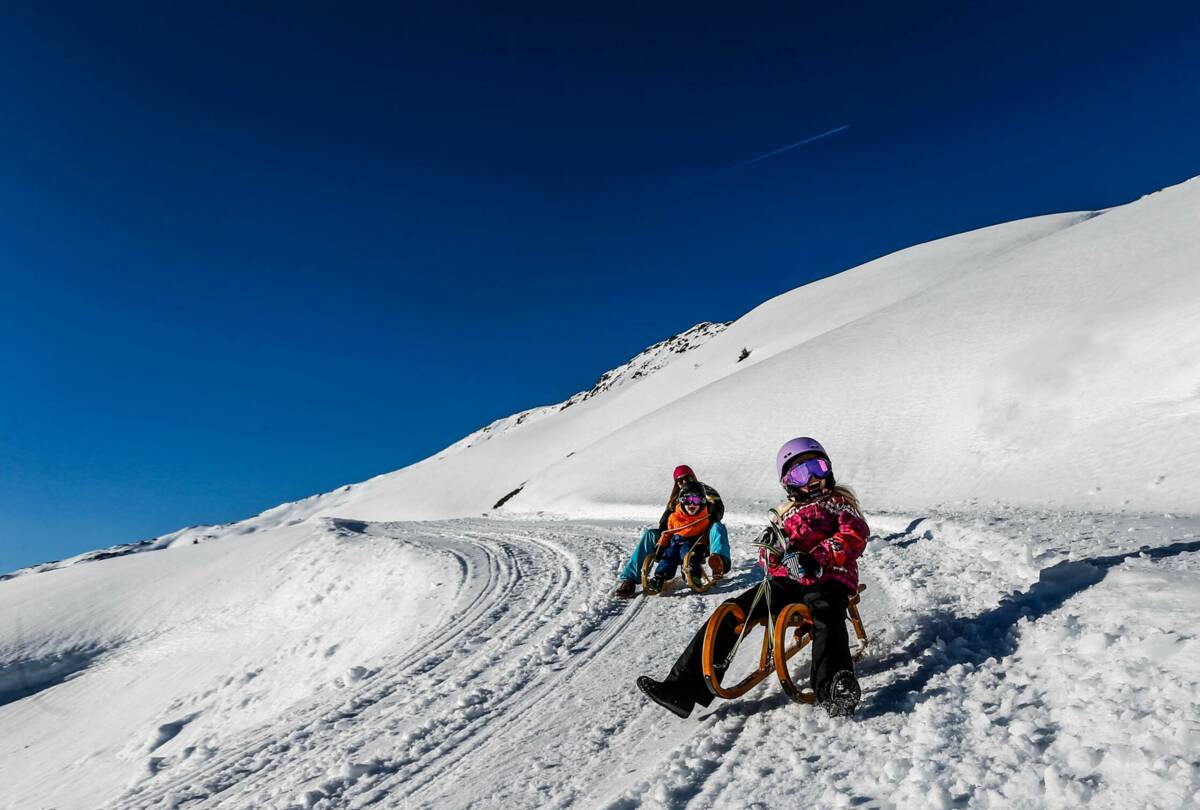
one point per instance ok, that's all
(520, 688)
(237, 767)
(514, 628)
(445, 733)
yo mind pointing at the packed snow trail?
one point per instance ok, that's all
(1017, 659)
(513, 613)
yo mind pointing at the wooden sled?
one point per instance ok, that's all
(776, 651)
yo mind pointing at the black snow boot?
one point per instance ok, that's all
(842, 695)
(660, 694)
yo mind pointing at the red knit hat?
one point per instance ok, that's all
(683, 470)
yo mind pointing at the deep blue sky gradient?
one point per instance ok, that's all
(254, 251)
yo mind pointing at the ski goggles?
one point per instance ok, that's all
(691, 499)
(805, 471)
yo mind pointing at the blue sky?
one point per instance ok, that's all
(251, 252)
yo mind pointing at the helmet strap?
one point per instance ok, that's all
(801, 497)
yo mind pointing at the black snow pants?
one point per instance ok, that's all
(830, 646)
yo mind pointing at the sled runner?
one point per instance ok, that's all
(776, 650)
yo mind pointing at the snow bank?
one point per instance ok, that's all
(163, 652)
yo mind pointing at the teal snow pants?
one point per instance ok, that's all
(718, 543)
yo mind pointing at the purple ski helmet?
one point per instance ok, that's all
(794, 448)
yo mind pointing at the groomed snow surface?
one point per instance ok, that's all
(1019, 409)
(1021, 659)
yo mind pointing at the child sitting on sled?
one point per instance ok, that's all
(687, 525)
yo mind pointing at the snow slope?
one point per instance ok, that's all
(1019, 408)
(1019, 363)
(1018, 660)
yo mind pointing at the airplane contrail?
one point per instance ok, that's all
(786, 148)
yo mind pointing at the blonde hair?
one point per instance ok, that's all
(837, 490)
(846, 494)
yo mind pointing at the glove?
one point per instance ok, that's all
(770, 540)
(801, 565)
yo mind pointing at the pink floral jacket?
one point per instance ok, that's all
(832, 531)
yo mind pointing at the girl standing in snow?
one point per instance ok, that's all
(826, 533)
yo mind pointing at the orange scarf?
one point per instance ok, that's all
(681, 523)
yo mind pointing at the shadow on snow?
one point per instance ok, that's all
(991, 634)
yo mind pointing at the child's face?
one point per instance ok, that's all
(691, 508)
(816, 485)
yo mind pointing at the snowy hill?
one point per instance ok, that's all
(1019, 408)
(1016, 363)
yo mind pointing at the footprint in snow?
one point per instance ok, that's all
(352, 676)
